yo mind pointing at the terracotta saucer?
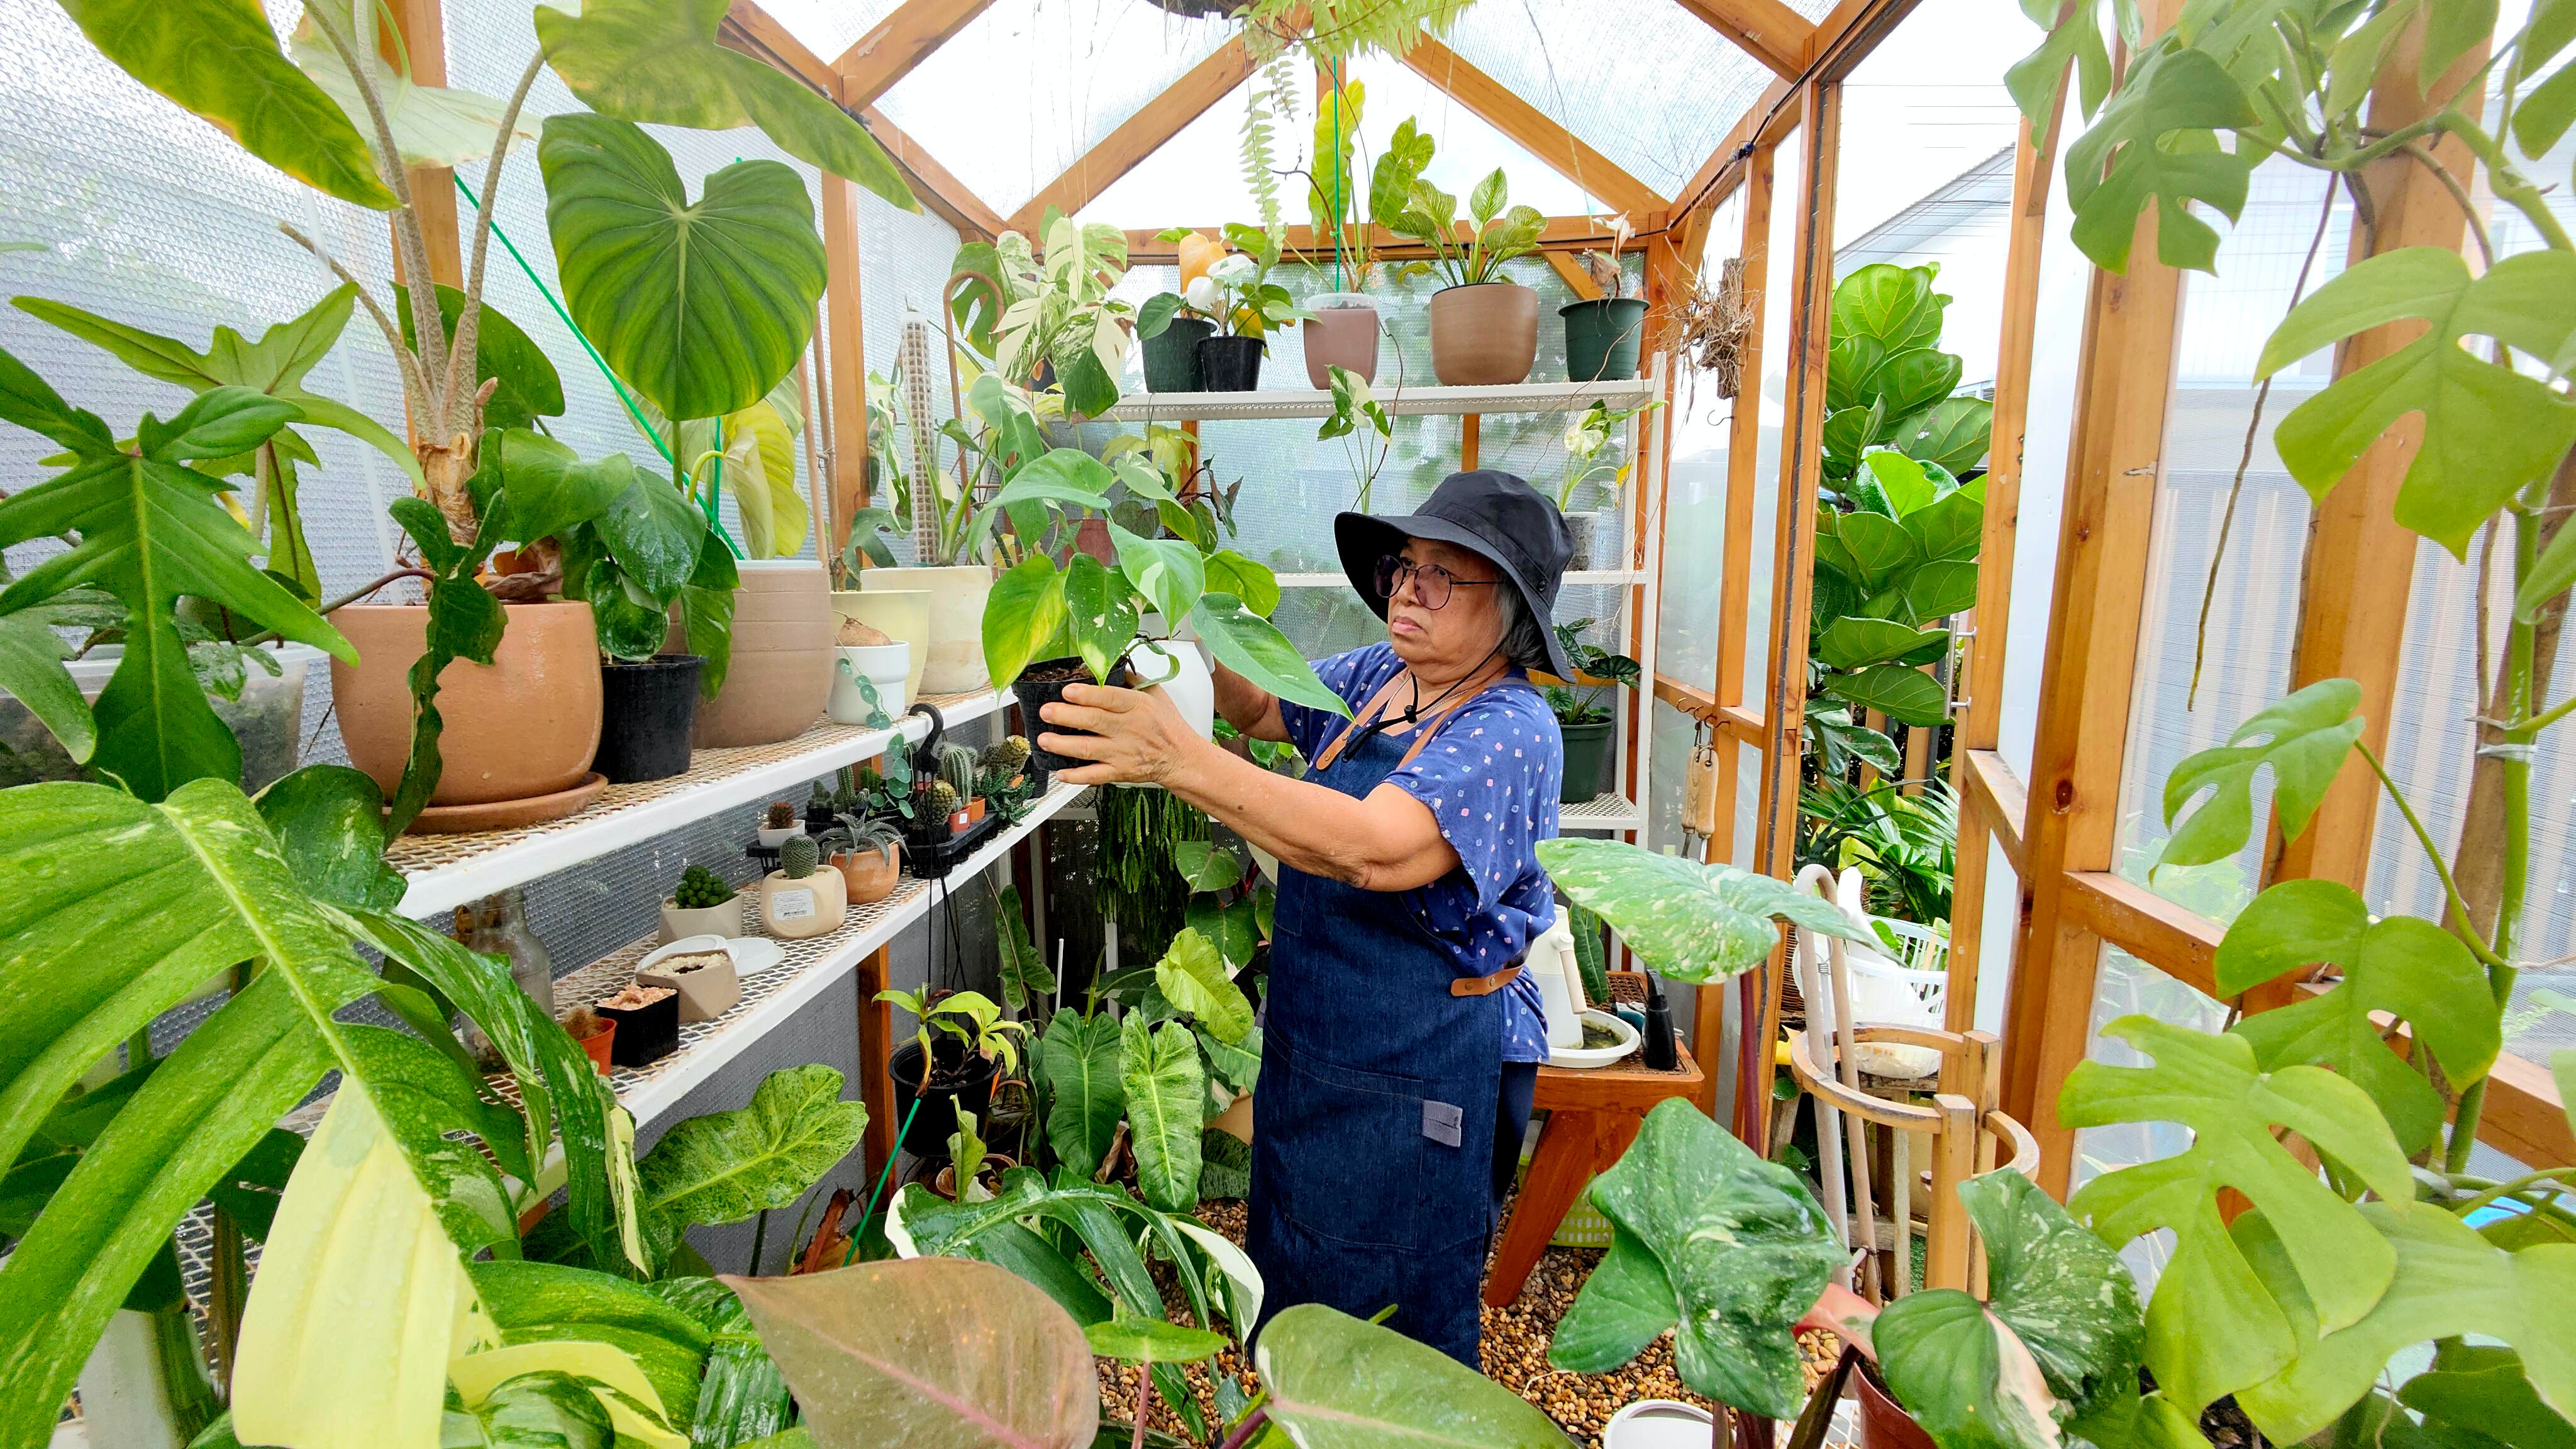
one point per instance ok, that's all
(509, 814)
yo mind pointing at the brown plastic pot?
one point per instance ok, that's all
(527, 724)
(781, 674)
(1484, 335)
(1882, 1424)
(1340, 336)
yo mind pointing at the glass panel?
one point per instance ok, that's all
(1694, 586)
(1748, 806)
(1788, 186)
(1196, 178)
(1998, 938)
(828, 27)
(1674, 735)
(1467, 147)
(2255, 610)
(2057, 356)
(2127, 986)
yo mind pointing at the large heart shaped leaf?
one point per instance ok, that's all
(2061, 1289)
(1253, 647)
(1025, 611)
(703, 306)
(1100, 613)
(1962, 1373)
(1689, 921)
(1086, 1096)
(2211, 1086)
(942, 1353)
(220, 60)
(1336, 1382)
(725, 1166)
(2414, 971)
(1165, 1090)
(2303, 738)
(1739, 1248)
(1165, 570)
(644, 60)
(1192, 977)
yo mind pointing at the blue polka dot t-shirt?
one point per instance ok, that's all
(1489, 776)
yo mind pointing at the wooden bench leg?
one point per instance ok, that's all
(1572, 1147)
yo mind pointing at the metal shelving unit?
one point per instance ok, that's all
(1527, 397)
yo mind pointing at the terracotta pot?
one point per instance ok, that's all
(956, 626)
(1882, 1424)
(901, 614)
(781, 673)
(959, 821)
(974, 809)
(527, 724)
(1343, 336)
(598, 1045)
(1484, 335)
(870, 873)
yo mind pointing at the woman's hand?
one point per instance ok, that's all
(1137, 735)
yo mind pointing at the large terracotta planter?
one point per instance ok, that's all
(524, 725)
(901, 614)
(956, 626)
(1343, 334)
(1484, 335)
(782, 657)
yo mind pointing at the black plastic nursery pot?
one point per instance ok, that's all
(1602, 337)
(1040, 685)
(1587, 759)
(1231, 364)
(1172, 355)
(647, 711)
(645, 1034)
(936, 1120)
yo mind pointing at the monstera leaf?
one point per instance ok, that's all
(1689, 921)
(2413, 970)
(1725, 1249)
(725, 1166)
(220, 60)
(2211, 1085)
(1086, 1095)
(2145, 150)
(2303, 738)
(703, 306)
(1337, 1382)
(1165, 1087)
(149, 528)
(943, 1353)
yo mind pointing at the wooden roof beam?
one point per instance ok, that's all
(1766, 30)
(899, 42)
(1140, 135)
(1560, 148)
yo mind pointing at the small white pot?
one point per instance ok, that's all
(884, 666)
(1657, 1424)
(772, 839)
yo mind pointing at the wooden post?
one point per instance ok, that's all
(1468, 429)
(876, 1051)
(846, 399)
(433, 188)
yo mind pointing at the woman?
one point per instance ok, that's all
(1401, 1040)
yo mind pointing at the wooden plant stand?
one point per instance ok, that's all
(1592, 1116)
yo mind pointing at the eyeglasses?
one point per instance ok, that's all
(1431, 583)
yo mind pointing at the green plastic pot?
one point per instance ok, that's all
(1587, 759)
(1602, 337)
(1172, 355)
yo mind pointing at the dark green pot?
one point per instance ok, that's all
(1601, 338)
(1172, 355)
(1587, 759)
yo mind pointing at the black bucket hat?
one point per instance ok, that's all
(1494, 515)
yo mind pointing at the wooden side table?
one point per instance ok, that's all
(1592, 1116)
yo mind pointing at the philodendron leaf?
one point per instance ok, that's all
(1024, 971)
(1164, 1085)
(32, 673)
(1740, 1247)
(1234, 927)
(1691, 922)
(2412, 970)
(1024, 611)
(547, 1303)
(741, 1395)
(1192, 977)
(1165, 570)
(1337, 1382)
(725, 1166)
(1150, 1340)
(2211, 1086)
(329, 821)
(2489, 429)
(1206, 865)
(760, 473)
(2060, 1289)
(1962, 1373)
(2449, 1282)
(1253, 647)
(431, 125)
(2303, 738)
(548, 1409)
(1252, 584)
(1086, 1096)
(702, 305)
(941, 1353)
(1100, 612)
(528, 386)
(221, 61)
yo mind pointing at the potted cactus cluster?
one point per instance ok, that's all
(703, 904)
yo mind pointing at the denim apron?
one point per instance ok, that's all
(1373, 1121)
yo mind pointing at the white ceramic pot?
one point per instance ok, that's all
(901, 614)
(1657, 1424)
(792, 909)
(886, 668)
(720, 921)
(956, 626)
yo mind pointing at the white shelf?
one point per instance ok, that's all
(1527, 397)
(1601, 812)
(1574, 578)
(446, 871)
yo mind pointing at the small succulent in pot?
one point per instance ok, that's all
(798, 857)
(945, 802)
(703, 904)
(778, 824)
(701, 888)
(1006, 758)
(799, 899)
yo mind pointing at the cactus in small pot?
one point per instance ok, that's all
(703, 904)
(797, 900)
(798, 857)
(778, 824)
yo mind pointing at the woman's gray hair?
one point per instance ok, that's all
(1524, 633)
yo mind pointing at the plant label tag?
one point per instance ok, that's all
(792, 905)
(1443, 1123)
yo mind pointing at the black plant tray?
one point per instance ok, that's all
(934, 859)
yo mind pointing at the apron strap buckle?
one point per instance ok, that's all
(1485, 985)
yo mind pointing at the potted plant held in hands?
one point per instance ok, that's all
(1484, 327)
(1584, 716)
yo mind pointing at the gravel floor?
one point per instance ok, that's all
(1515, 1350)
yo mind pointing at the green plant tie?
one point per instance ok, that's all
(1339, 177)
(706, 505)
(868, 1214)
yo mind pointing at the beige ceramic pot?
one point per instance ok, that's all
(794, 907)
(1484, 335)
(1343, 334)
(900, 614)
(781, 673)
(956, 626)
(524, 725)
